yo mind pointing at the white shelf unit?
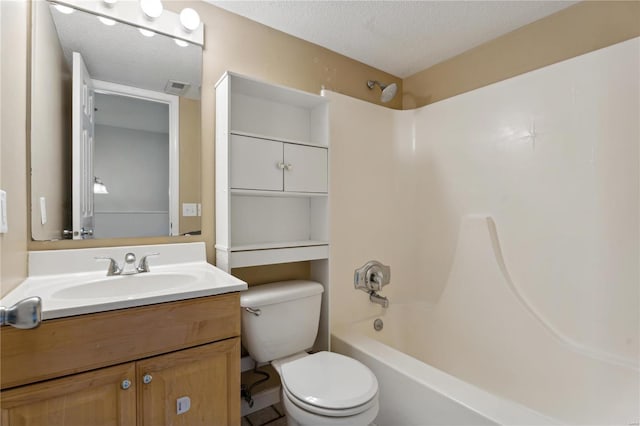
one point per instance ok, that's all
(271, 173)
(272, 200)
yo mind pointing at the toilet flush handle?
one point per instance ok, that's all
(253, 311)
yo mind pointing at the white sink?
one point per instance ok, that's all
(71, 282)
(125, 286)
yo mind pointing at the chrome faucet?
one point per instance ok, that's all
(380, 300)
(371, 277)
(129, 259)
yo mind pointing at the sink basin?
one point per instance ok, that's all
(71, 282)
(125, 286)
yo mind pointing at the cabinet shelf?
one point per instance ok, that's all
(264, 193)
(271, 253)
(277, 138)
(272, 245)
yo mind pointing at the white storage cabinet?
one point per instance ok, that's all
(271, 174)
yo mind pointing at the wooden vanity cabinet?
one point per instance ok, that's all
(93, 398)
(199, 368)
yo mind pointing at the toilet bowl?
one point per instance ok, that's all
(326, 388)
(279, 322)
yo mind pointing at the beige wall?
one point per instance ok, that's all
(579, 29)
(51, 127)
(13, 125)
(270, 273)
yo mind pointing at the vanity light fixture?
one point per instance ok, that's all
(98, 186)
(189, 19)
(151, 8)
(107, 21)
(64, 9)
(146, 33)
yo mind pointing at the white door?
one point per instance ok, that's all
(82, 150)
(305, 168)
(255, 163)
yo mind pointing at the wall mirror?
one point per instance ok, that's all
(115, 128)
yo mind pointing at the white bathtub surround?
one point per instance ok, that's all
(553, 157)
(482, 332)
(73, 282)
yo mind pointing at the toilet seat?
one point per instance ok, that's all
(329, 384)
(327, 412)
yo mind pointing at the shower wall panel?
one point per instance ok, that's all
(552, 156)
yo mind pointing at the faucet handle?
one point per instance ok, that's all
(143, 266)
(114, 269)
(372, 276)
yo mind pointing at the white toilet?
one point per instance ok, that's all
(279, 322)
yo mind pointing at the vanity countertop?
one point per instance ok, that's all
(180, 272)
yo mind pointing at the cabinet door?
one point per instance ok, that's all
(305, 168)
(87, 399)
(208, 376)
(255, 163)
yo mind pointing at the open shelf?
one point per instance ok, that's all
(239, 259)
(268, 246)
(263, 193)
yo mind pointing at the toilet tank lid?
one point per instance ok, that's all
(278, 292)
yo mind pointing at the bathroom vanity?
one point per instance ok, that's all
(173, 362)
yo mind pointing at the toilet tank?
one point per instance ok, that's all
(284, 320)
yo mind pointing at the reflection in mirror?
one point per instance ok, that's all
(106, 160)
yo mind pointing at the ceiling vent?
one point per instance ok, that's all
(177, 88)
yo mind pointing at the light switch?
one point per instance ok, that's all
(4, 225)
(183, 405)
(189, 209)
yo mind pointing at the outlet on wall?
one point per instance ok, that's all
(189, 209)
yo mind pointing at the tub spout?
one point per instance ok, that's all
(380, 300)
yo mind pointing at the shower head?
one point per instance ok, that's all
(388, 90)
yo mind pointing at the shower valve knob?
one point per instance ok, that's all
(372, 276)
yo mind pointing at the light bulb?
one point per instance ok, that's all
(152, 8)
(189, 19)
(109, 3)
(107, 21)
(181, 43)
(64, 9)
(146, 33)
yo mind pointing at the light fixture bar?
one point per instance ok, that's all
(130, 12)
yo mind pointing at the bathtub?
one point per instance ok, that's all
(422, 386)
(483, 354)
(413, 392)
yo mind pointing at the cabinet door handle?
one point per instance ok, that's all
(146, 379)
(289, 166)
(281, 165)
(126, 384)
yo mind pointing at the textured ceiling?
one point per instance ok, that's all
(399, 37)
